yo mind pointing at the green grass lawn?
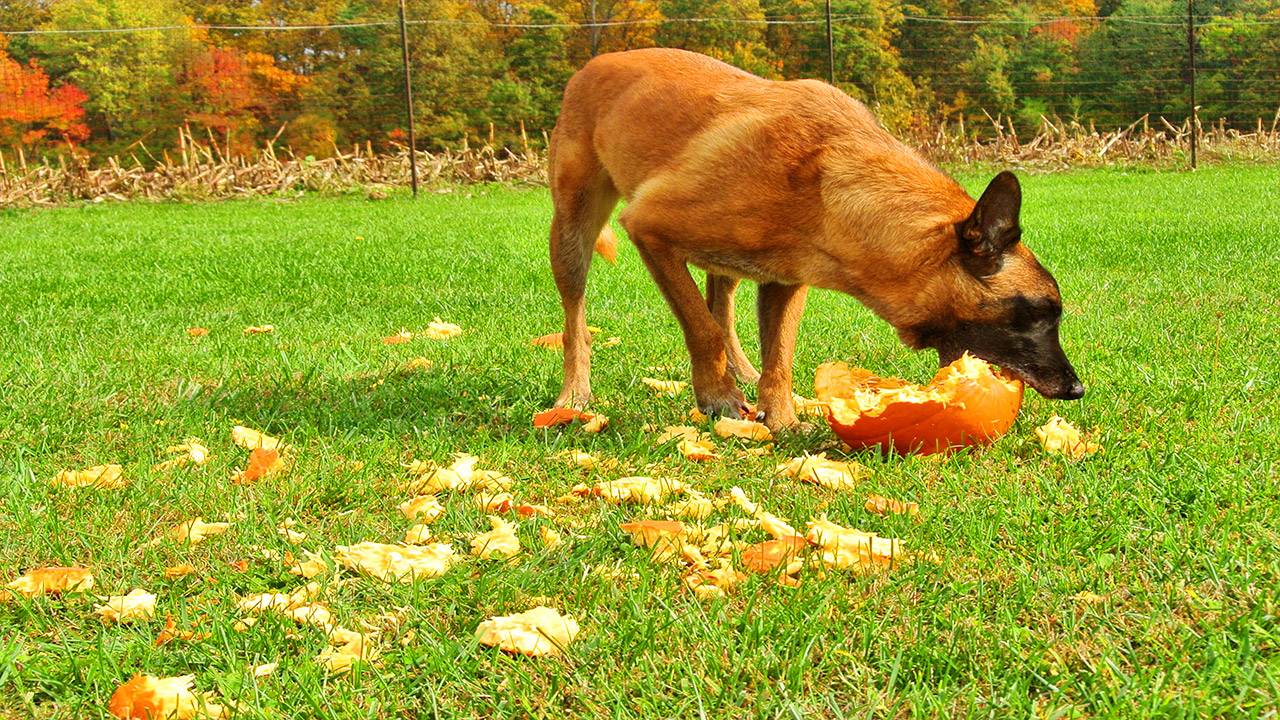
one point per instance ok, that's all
(1172, 290)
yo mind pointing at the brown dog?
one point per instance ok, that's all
(790, 184)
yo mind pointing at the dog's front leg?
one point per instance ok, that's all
(713, 383)
(779, 308)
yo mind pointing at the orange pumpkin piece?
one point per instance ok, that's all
(107, 477)
(1060, 436)
(549, 537)
(146, 697)
(137, 605)
(851, 549)
(967, 403)
(197, 332)
(637, 489)
(527, 510)
(765, 556)
(173, 572)
(830, 474)
(713, 584)
(536, 632)
(346, 647)
(251, 439)
(591, 422)
(396, 563)
(52, 581)
(745, 429)
(196, 530)
(678, 432)
(492, 501)
(648, 533)
(670, 388)
(500, 542)
(170, 633)
(262, 462)
(553, 341)
(438, 329)
(881, 505)
(558, 416)
(698, 450)
(399, 338)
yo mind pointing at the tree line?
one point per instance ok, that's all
(318, 74)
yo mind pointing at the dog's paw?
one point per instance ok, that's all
(782, 417)
(578, 400)
(731, 403)
(784, 421)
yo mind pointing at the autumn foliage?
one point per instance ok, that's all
(327, 77)
(234, 93)
(34, 113)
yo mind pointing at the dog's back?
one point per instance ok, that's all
(638, 112)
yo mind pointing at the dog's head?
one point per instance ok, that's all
(1003, 306)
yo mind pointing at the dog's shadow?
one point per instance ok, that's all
(394, 401)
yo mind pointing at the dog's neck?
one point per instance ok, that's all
(891, 219)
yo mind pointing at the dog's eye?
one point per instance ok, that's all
(1028, 311)
(1052, 313)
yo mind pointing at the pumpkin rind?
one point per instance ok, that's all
(967, 403)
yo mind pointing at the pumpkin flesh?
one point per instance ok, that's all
(967, 403)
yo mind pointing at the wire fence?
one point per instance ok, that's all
(83, 87)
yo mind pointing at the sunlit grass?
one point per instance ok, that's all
(1171, 289)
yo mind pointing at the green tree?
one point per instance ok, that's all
(734, 31)
(21, 15)
(129, 76)
(1133, 68)
(867, 64)
(1239, 55)
(538, 67)
(357, 77)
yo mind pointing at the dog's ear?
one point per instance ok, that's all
(993, 226)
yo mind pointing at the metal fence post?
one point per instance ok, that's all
(408, 100)
(1193, 119)
(831, 49)
(595, 31)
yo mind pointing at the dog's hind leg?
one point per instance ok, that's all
(779, 308)
(583, 196)
(720, 290)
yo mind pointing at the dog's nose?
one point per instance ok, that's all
(1075, 392)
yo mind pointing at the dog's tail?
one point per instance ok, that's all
(607, 245)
